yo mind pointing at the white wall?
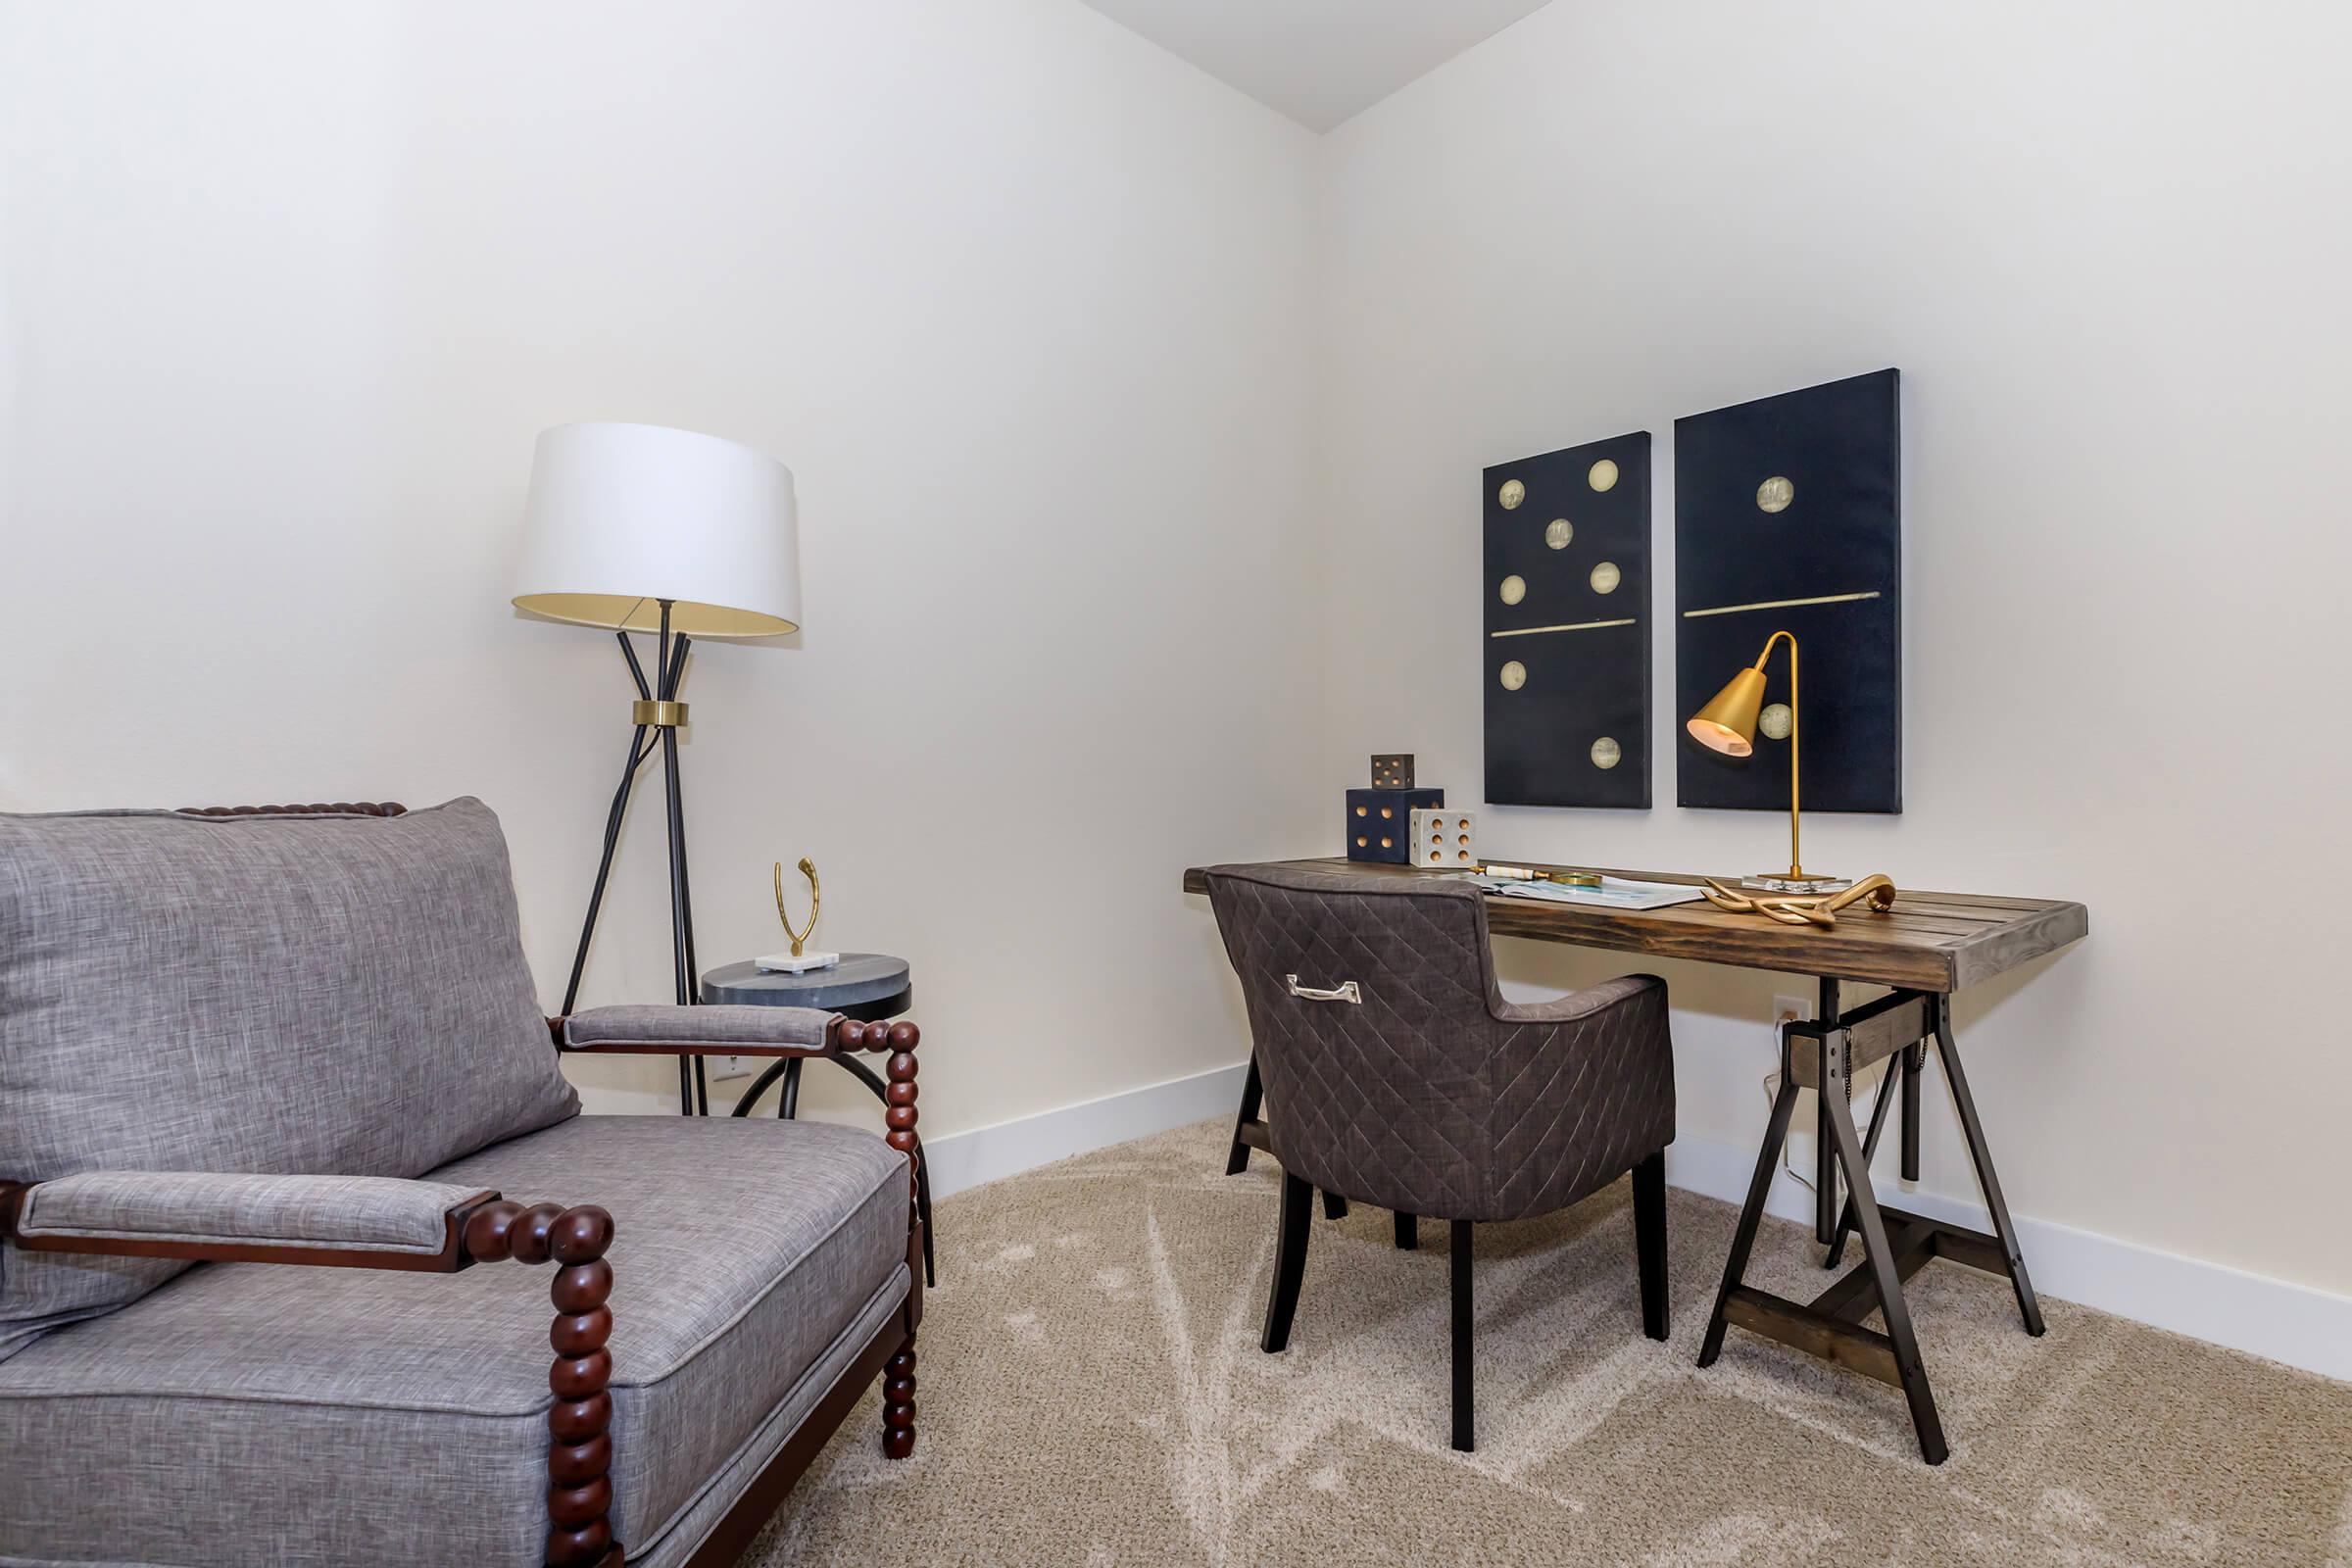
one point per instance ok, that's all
(288, 289)
(1129, 422)
(2107, 244)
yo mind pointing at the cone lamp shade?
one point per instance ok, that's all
(623, 516)
(1728, 723)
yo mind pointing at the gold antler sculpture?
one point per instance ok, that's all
(1819, 910)
(799, 938)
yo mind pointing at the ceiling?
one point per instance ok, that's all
(1320, 61)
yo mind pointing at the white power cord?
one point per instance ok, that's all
(1771, 1091)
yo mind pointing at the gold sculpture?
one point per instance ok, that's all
(799, 938)
(1797, 909)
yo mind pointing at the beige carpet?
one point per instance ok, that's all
(1092, 1392)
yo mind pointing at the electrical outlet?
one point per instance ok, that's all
(724, 1069)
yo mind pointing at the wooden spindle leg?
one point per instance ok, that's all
(897, 1403)
(579, 1457)
(900, 1114)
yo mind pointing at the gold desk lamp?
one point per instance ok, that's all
(1728, 724)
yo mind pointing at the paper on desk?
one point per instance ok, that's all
(1614, 893)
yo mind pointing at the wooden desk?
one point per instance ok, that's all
(1940, 942)
(1929, 946)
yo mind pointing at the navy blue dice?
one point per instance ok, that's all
(1380, 822)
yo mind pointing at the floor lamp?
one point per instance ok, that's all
(639, 528)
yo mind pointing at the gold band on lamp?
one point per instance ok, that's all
(1728, 724)
(656, 715)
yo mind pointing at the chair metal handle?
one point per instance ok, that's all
(1345, 991)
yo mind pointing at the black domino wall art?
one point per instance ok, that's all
(1567, 592)
(1787, 515)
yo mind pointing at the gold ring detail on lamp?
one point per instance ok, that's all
(1820, 909)
(664, 715)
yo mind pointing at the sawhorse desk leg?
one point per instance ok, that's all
(1823, 1054)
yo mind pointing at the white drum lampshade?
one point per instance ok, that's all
(624, 515)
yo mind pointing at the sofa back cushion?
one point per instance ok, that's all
(278, 995)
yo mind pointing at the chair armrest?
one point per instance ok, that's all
(722, 1031)
(1578, 1003)
(345, 1222)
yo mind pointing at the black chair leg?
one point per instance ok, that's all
(1465, 1422)
(1253, 1096)
(1408, 1232)
(1290, 1261)
(1334, 1205)
(1649, 1241)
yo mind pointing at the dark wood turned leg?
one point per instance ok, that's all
(877, 1036)
(1408, 1232)
(1465, 1416)
(1870, 1149)
(899, 1038)
(1334, 1205)
(1290, 1261)
(1987, 1179)
(1649, 1241)
(897, 1403)
(579, 1456)
(1884, 1268)
(1743, 1238)
(900, 1116)
(1253, 1094)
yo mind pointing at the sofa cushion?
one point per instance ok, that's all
(259, 1412)
(269, 995)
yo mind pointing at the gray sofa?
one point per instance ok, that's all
(308, 1036)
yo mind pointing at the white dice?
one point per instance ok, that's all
(1444, 841)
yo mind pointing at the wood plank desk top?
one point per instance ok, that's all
(1940, 942)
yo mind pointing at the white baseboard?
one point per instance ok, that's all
(2290, 1323)
(985, 1153)
(2212, 1301)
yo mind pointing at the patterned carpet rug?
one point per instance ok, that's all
(1092, 1394)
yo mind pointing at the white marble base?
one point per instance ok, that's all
(1769, 883)
(785, 963)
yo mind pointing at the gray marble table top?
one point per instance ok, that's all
(859, 980)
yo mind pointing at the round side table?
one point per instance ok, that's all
(864, 985)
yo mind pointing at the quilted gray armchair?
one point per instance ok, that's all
(307, 1036)
(1398, 1076)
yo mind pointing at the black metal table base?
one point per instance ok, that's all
(1824, 1054)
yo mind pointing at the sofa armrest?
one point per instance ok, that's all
(725, 1031)
(376, 1222)
(346, 1221)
